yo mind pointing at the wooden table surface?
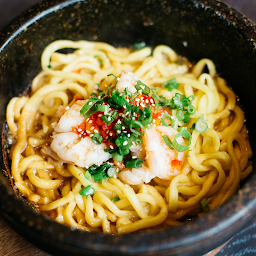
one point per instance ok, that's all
(10, 242)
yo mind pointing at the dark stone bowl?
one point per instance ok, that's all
(209, 28)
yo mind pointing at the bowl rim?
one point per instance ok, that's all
(248, 29)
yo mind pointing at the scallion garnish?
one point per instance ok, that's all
(134, 163)
(139, 46)
(112, 171)
(205, 205)
(88, 109)
(87, 175)
(180, 115)
(99, 58)
(176, 144)
(49, 66)
(201, 124)
(96, 138)
(136, 94)
(167, 141)
(110, 117)
(140, 86)
(87, 191)
(114, 77)
(171, 84)
(170, 118)
(115, 199)
(101, 108)
(99, 172)
(117, 157)
(191, 109)
(155, 98)
(186, 117)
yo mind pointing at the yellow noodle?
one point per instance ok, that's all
(213, 166)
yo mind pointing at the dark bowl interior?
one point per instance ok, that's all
(209, 28)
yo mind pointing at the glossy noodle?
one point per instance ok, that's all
(118, 140)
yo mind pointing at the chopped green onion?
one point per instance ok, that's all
(101, 108)
(146, 118)
(143, 87)
(155, 98)
(93, 169)
(115, 199)
(108, 119)
(86, 109)
(205, 205)
(87, 191)
(171, 84)
(49, 66)
(167, 141)
(136, 124)
(99, 58)
(191, 97)
(114, 77)
(96, 138)
(180, 115)
(112, 171)
(191, 109)
(127, 93)
(170, 118)
(136, 94)
(177, 101)
(111, 151)
(134, 163)
(201, 124)
(139, 46)
(118, 100)
(185, 134)
(87, 175)
(100, 175)
(186, 117)
(117, 157)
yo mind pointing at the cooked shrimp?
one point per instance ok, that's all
(127, 80)
(71, 117)
(159, 158)
(71, 147)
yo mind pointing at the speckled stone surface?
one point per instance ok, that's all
(209, 28)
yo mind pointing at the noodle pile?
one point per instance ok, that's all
(215, 162)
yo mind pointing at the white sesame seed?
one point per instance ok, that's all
(111, 146)
(118, 131)
(95, 130)
(125, 143)
(90, 121)
(134, 157)
(90, 103)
